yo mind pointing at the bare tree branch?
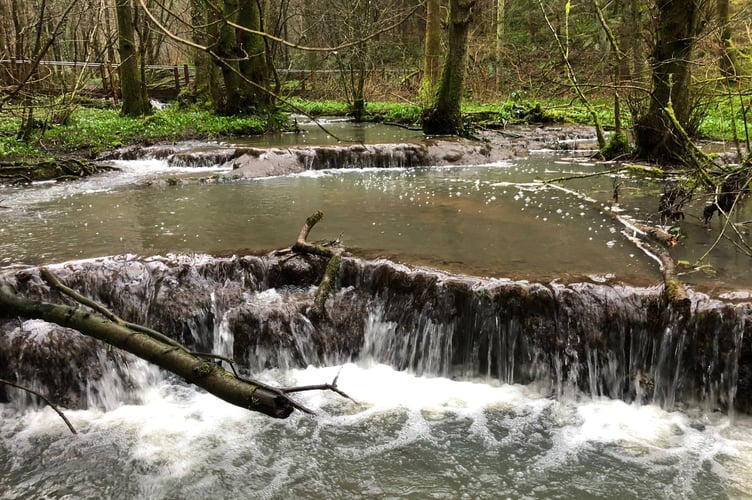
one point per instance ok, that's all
(44, 398)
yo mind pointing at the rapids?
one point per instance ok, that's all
(406, 436)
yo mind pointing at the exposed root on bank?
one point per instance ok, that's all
(26, 172)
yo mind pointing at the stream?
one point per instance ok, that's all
(436, 431)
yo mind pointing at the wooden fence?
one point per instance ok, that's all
(101, 79)
(96, 78)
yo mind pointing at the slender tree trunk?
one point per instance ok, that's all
(229, 65)
(135, 100)
(206, 86)
(499, 55)
(432, 57)
(677, 28)
(727, 62)
(27, 120)
(634, 26)
(445, 116)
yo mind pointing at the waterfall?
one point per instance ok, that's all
(584, 338)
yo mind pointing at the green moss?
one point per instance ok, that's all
(204, 369)
(618, 145)
(646, 171)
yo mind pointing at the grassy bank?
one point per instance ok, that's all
(90, 131)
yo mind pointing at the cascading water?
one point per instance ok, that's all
(618, 342)
(483, 435)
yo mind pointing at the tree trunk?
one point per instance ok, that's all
(135, 100)
(500, 21)
(432, 56)
(253, 66)
(226, 52)
(445, 117)
(727, 62)
(678, 25)
(634, 25)
(205, 87)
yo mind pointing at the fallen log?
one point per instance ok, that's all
(205, 374)
(199, 369)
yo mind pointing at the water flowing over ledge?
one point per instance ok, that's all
(250, 161)
(616, 341)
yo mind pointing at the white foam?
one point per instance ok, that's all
(180, 434)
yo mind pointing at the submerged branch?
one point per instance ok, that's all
(650, 239)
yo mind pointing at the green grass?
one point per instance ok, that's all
(94, 130)
(91, 130)
(375, 111)
(724, 119)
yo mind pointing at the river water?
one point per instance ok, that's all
(403, 435)
(406, 436)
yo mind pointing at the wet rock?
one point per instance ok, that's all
(276, 161)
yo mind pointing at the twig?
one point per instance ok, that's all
(54, 282)
(321, 387)
(584, 176)
(44, 398)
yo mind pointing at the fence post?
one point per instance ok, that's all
(111, 71)
(187, 75)
(176, 77)
(103, 74)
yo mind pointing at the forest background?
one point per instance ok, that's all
(237, 63)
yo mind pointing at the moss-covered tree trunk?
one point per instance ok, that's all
(678, 24)
(445, 117)
(205, 374)
(206, 86)
(132, 91)
(253, 66)
(226, 52)
(432, 55)
(243, 58)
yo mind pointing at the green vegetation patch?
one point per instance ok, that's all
(94, 130)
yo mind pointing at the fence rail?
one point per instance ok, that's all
(165, 81)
